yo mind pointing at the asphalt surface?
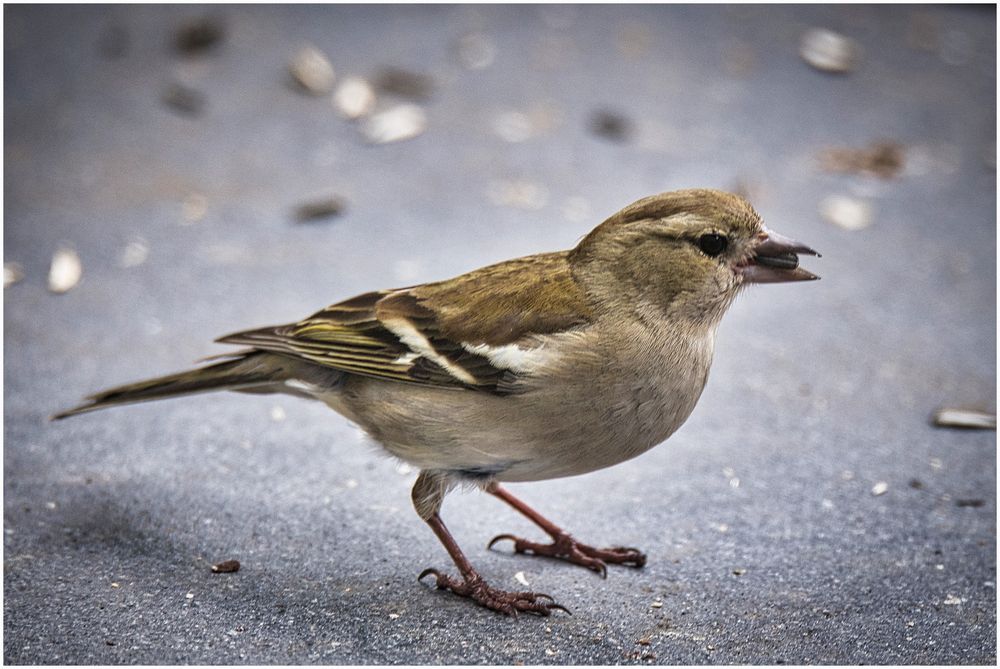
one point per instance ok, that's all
(766, 539)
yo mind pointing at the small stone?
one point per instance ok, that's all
(65, 270)
(313, 71)
(393, 616)
(518, 194)
(739, 572)
(644, 641)
(513, 126)
(12, 273)
(965, 418)
(184, 99)
(320, 209)
(952, 600)
(611, 125)
(134, 253)
(404, 83)
(194, 208)
(880, 488)
(520, 578)
(475, 51)
(199, 35)
(829, 51)
(226, 567)
(189, 595)
(354, 98)
(396, 124)
(846, 212)
(883, 159)
(657, 604)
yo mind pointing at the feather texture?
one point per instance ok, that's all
(474, 331)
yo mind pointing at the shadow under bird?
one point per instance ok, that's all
(545, 366)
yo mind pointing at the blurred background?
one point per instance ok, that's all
(175, 173)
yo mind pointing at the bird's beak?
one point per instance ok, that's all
(775, 259)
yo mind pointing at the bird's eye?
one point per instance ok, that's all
(712, 244)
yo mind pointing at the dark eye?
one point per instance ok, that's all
(712, 244)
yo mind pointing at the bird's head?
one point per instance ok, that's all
(685, 254)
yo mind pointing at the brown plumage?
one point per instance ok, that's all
(550, 365)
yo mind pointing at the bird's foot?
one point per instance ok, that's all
(509, 603)
(565, 547)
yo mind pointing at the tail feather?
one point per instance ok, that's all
(252, 369)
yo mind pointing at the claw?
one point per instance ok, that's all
(427, 572)
(500, 537)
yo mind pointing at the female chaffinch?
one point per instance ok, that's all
(539, 367)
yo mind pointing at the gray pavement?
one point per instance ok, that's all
(766, 542)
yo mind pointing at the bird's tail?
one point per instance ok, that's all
(249, 370)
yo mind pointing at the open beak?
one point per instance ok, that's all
(775, 259)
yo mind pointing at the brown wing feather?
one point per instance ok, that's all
(496, 305)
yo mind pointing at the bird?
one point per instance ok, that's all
(544, 366)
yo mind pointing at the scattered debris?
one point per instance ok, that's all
(829, 51)
(313, 71)
(354, 98)
(517, 193)
(199, 35)
(739, 571)
(395, 124)
(194, 208)
(320, 209)
(513, 126)
(952, 600)
(65, 270)
(393, 616)
(189, 595)
(134, 253)
(475, 51)
(970, 503)
(965, 418)
(846, 212)
(520, 578)
(657, 604)
(226, 567)
(883, 159)
(916, 484)
(277, 413)
(12, 273)
(184, 99)
(644, 641)
(880, 488)
(611, 125)
(113, 42)
(404, 83)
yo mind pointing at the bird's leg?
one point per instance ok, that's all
(563, 546)
(428, 493)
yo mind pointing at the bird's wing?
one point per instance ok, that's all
(467, 332)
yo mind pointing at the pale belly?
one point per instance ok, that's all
(593, 420)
